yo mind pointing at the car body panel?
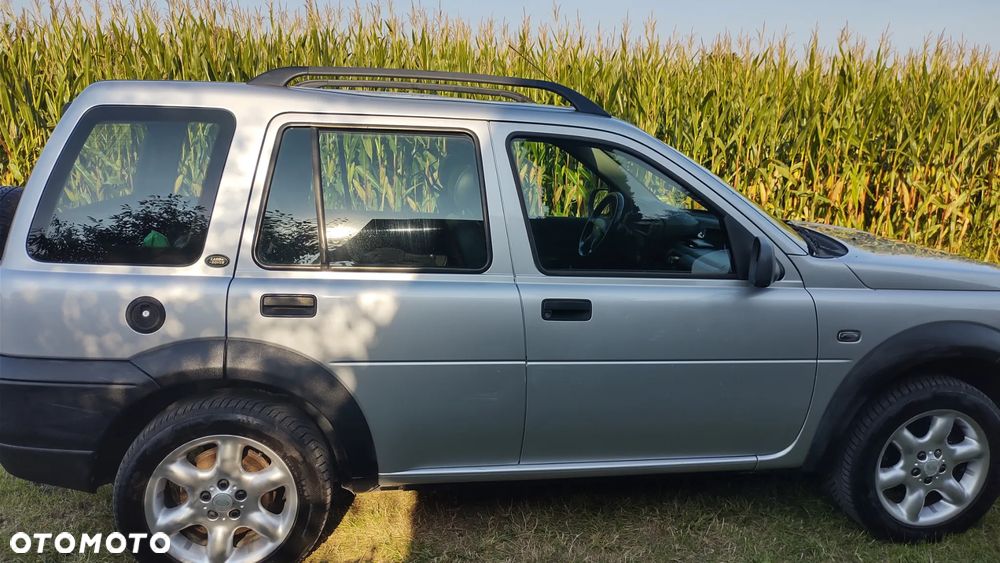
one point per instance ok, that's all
(435, 360)
(880, 316)
(882, 263)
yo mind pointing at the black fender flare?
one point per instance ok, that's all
(210, 363)
(313, 383)
(896, 357)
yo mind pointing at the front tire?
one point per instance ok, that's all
(229, 477)
(922, 461)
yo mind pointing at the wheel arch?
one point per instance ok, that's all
(320, 392)
(965, 350)
(185, 369)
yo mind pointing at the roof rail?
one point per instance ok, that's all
(421, 86)
(282, 77)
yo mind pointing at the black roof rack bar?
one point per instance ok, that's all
(421, 86)
(284, 76)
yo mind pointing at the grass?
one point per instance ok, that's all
(906, 145)
(705, 517)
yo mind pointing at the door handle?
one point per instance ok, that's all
(274, 305)
(567, 309)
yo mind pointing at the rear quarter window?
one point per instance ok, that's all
(133, 186)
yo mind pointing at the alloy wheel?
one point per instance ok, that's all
(932, 468)
(222, 499)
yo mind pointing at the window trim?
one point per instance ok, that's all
(603, 143)
(81, 132)
(316, 128)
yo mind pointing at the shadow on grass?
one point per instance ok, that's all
(664, 517)
(699, 517)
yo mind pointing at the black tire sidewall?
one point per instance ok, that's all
(863, 487)
(312, 494)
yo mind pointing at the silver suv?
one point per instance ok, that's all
(232, 299)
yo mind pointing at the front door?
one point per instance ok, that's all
(373, 253)
(642, 341)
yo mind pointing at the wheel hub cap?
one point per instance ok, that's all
(222, 501)
(932, 467)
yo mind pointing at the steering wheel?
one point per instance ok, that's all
(592, 198)
(603, 219)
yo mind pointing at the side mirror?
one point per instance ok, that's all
(764, 268)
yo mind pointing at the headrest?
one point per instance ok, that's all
(459, 177)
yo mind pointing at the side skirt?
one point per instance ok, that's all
(560, 470)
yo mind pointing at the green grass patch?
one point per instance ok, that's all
(704, 517)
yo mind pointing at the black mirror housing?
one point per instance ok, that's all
(764, 268)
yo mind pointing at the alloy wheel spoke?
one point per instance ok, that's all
(220, 543)
(905, 441)
(889, 477)
(952, 491)
(913, 503)
(266, 524)
(941, 426)
(966, 450)
(181, 472)
(229, 457)
(266, 480)
(172, 520)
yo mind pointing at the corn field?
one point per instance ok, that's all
(906, 145)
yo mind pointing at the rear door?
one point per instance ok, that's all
(645, 343)
(390, 232)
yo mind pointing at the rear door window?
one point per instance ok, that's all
(133, 186)
(375, 199)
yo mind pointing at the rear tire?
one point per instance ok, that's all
(9, 198)
(206, 470)
(922, 461)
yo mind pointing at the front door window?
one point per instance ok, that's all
(597, 208)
